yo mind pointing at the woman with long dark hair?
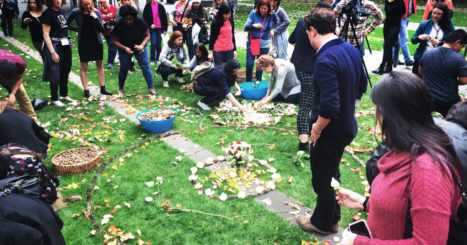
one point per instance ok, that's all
(201, 56)
(259, 24)
(156, 18)
(216, 4)
(395, 11)
(90, 43)
(198, 15)
(222, 43)
(31, 18)
(432, 33)
(216, 83)
(415, 171)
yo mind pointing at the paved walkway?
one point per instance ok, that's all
(198, 154)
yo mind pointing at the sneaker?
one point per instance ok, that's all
(178, 79)
(304, 147)
(57, 103)
(110, 66)
(409, 63)
(204, 106)
(67, 99)
(400, 62)
(165, 84)
(152, 63)
(87, 94)
(104, 91)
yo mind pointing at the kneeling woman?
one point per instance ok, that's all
(130, 35)
(174, 48)
(216, 84)
(283, 74)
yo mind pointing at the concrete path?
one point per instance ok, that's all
(198, 154)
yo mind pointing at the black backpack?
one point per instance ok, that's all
(458, 227)
(22, 185)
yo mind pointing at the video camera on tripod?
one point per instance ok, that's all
(354, 10)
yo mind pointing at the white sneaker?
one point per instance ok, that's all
(57, 103)
(67, 98)
(165, 84)
(152, 63)
(178, 79)
(204, 106)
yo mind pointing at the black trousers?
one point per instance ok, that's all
(292, 99)
(325, 157)
(65, 67)
(7, 18)
(391, 35)
(442, 108)
(415, 66)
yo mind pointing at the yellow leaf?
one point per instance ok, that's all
(116, 187)
(272, 147)
(290, 179)
(273, 133)
(114, 166)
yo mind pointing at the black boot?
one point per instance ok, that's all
(105, 91)
(304, 147)
(379, 71)
(388, 69)
(87, 94)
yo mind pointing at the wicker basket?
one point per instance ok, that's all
(241, 76)
(79, 168)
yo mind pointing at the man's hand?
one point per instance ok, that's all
(165, 32)
(338, 32)
(435, 41)
(314, 135)
(12, 98)
(364, 33)
(93, 14)
(242, 109)
(210, 55)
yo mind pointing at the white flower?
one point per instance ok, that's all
(106, 219)
(194, 170)
(178, 158)
(241, 194)
(272, 170)
(221, 158)
(233, 174)
(335, 184)
(259, 189)
(263, 162)
(365, 182)
(251, 158)
(148, 199)
(300, 153)
(209, 161)
(275, 176)
(159, 180)
(271, 185)
(223, 196)
(200, 165)
(198, 186)
(193, 177)
(121, 159)
(209, 192)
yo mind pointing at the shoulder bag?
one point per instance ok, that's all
(23, 185)
(255, 44)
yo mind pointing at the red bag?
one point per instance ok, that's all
(255, 44)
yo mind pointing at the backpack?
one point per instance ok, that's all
(11, 5)
(26, 185)
(458, 227)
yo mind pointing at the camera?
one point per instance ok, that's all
(355, 9)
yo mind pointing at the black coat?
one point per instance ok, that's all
(303, 56)
(148, 18)
(16, 127)
(32, 216)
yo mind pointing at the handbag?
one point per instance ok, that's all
(203, 36)
(255, 44)
(274, 53)
(23, 185)
(38, 104)
(458, 227)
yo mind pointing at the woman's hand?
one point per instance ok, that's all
(264, 101)
(257, 25)
(273, 32)
(165, 32)
(424, 37)
(235, 54)
(55, 58)
(242, 109)
(177, 67)
(350, 199)
(348, 237)
(27, 21)
(174, 23)
(128, 51)
(93, 14)
(435, 41)
(210, 55)
(12, 98)
(153, 26)
(138, 47)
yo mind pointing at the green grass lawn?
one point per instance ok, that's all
(157, 158)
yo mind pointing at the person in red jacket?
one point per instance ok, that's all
(415, 170)
(108, 19)
(431, 3)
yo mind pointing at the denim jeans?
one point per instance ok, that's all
(191, 48)
(156, 43)
(404, 38)
(111, 49)
(250, 62)
(222, 57)
(125, 63)
(167, 70)
(362, 47)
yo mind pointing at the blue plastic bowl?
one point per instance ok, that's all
(157, 127)
(252, 93)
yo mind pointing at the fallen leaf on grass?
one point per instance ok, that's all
(96, 207)
(267, 201)
(272, 147)
(309, 243)
(148, 199)
(128, 205)
(116, 187)
(150, 183)
(93, 232)
(357, 216)
(74, 215)
(126, 236)
(139, 232)
(113, 211)
(290, 179)
(106, 219)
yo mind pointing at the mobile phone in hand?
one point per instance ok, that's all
(360, 228)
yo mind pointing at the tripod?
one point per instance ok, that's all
(344, 33)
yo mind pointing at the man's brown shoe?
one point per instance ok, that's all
(306, 225)
(335, 228)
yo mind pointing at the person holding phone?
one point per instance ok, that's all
(31, 18)
(414, 171)
(90, 43)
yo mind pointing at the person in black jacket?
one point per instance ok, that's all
(195, 15)
(304, 58)
(31, 17)
(9, 11)
(16, 127)
(22, 214)
(222, 45)
(157, 23)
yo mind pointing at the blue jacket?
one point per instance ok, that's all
(425, 28)
(75, 15)
(212, 79)
(338, 80)
(270, 23)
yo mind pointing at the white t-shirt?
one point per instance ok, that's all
(436, 33)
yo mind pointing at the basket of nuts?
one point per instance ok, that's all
(76, 161)
(157, 120)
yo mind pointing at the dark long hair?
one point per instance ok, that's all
(204, 53)
(403, 109)
(228, 69)
(445, 20)
(199, 13)
(223, 9)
